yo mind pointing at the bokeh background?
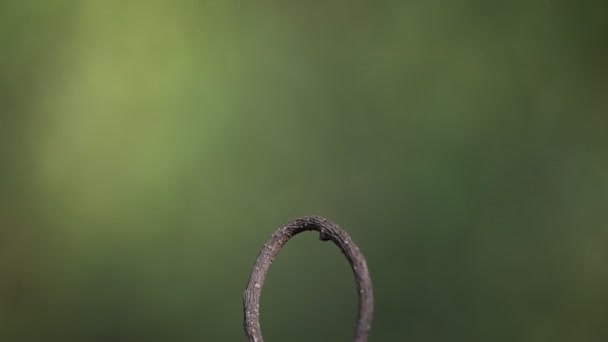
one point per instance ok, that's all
(149, 148)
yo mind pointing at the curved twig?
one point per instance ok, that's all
(327, 231)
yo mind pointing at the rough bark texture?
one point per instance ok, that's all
(327, 231)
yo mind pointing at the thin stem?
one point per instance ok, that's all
(328, 230)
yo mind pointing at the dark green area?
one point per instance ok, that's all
(149, 148)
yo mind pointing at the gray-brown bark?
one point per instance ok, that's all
(328, 230)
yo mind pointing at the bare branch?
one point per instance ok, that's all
(328, 230)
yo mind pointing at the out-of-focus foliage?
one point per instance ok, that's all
(149, 148)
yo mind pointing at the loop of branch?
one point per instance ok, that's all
(328, 230)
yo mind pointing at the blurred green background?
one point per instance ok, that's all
(149, 148)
